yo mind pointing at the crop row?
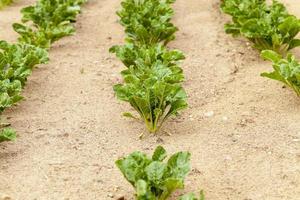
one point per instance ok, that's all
(272, 30)
(153, 87)
(42, 24)
(152, 78)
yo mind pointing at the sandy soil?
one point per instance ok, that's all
(71, 130)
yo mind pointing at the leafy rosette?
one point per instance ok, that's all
(152, 178)
(286, 70)
(269, 27)
(148, 21)
(152, 83)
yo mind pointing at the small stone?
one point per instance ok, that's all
(227, 157)
(116, 188)
(191, 117)
(209, 114)
(225, 118)
(110, 195)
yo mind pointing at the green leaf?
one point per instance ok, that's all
(271, 55)
(155, 172)
(294, 43)
(159, 154)
(290, 27)
(141, 188)
(179, 164)
(170, 185)
(129, 115)
(7, 134)
(133, 166)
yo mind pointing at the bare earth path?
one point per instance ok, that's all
(71, 132)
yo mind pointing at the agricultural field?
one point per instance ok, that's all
(207, 108)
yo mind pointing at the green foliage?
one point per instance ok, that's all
(147, 21)
(50, 20)
(152, 178)
(4, 3)
(152, 82)
(192, 196)
(131, 54)
(10, 93)
(286, 70)
(269, 27)
(7, 134)
(18, 60)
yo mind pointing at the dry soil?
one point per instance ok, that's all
(243, 130)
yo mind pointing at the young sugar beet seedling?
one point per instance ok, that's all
(148, 21)
(269, 27)
(51, 20)
(7, 134)
(152, 83)
(152, 178)
(286, 70)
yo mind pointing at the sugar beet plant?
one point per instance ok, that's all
(268, 27)
(152, 80)
(148, 21)
(152, 178)
(49, 20)
(286, 70)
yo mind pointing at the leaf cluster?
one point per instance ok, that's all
(152, 178)
(286, 70)
(269, 27)
(153, 77)
(152, 82)
(7, 134)
(47, 21)
(148, 21)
